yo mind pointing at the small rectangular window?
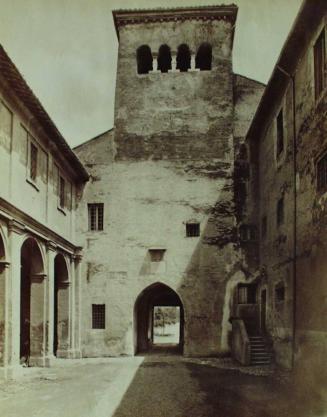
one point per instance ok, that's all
(280, 133)
(322, 174)
(247, 293)
(157, 255)
(192, 229)
(279, 293)
(62, 192)
(319, 64)
(264, 227)
(95, 211)
(98, 316)
(248, 232)
(33, 161)
(280, 211)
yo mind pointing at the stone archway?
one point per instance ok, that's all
(2, 299)
(31, 301)
(61, 307)
(156, 295)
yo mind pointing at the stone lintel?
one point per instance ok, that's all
(16, 226)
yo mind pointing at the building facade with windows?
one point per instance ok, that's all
(40, 181)
(286, 199)
(158, 213)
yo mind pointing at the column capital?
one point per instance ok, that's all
(78, 254)
(16, 226)
(38, 278)
(51, 246)
(64, 285)
(4, 264)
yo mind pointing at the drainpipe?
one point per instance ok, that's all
(292, 78)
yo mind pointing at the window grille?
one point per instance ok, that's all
(95, 216)
(62, 192)
(192, 229)
(280, 133)
(319, 64)
(322, 174)
(248, 232)
(33, 161)
(98, 316)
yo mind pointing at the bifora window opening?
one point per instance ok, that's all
(164, 58)
(280, 211)
(62, 187)
(144, 59)
(280, 133)
(33, 161)
(203, 59)
(322, 174)
(98, 316)
(95, 211)
(192, 229)
(183, 59)
(319, 64)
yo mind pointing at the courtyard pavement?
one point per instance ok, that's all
(155, 386)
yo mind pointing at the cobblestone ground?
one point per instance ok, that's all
(165, 386)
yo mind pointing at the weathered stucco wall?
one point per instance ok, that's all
(169, 161)
(275, 177)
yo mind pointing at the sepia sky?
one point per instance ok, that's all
(67, 49)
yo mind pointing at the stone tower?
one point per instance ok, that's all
(164, 177)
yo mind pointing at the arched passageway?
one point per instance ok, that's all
(150, 307)
(31, 301)
(2, 298)
(61, 307)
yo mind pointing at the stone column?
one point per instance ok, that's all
(78, 304)
(51, 254)
(193, 63)
(173, 62)
(12, 309)
(5, 295)
(155, 64)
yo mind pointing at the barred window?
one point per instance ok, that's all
(192, 229)
(95, 216)
(280, 133)
(319, 64)
(98, 316)
(33, 161)
(62, 186)
(322, 174)
(248, 233)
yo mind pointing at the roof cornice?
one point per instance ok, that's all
(128, 17)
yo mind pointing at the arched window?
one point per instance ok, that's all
(164, 58)
(144, 59)
(203, 57)
(183, 60)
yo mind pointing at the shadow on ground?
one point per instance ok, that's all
(172, 386)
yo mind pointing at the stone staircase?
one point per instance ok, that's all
(261, 353)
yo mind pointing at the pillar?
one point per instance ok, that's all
(77, 258)
(12, 309)
(193, 63)
(51, 254)
(173, 63)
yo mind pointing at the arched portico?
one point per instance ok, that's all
(156, 295)
(61, 307)
(32, 292)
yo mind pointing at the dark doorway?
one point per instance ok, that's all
(156, 304)
(263, 310)
(31, 301)
(61, 307)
